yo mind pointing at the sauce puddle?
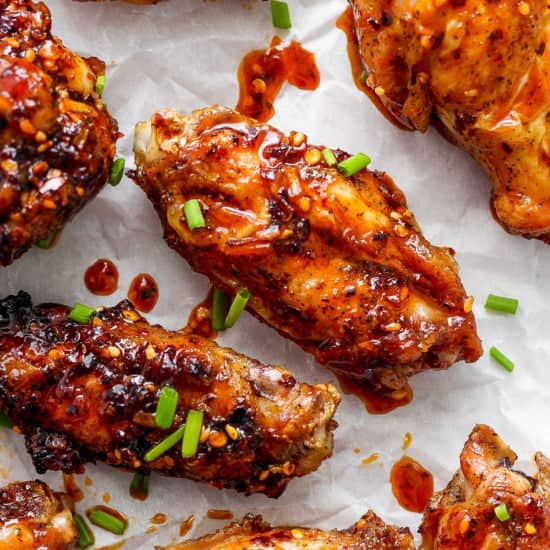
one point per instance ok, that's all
(101, 278)
(411, 484)
(143, 292)
(71, 488)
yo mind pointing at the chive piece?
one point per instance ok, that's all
(330, 157)
(47, 241)
(85, 537)
(166, 407)
(193, 427)
(500, 358)
(353, 164)
(501, 512)
(5, 422)
(139, 488)
(107, 521)
(165, 445)
(502, 303)
(100, 85)
(364, 75)
(280, 15)
(220, 307)
(193, 214)
(117, 171)
(81, 313)
(237, 307)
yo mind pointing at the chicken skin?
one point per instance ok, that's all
(34, 517)
(336, 264)
(464, 515)
(369, 533)
(481, 72)
(86, 392)
(57, 141)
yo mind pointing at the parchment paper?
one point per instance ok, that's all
(185, 54)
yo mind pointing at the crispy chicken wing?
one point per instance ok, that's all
(57, 141)
(34, 517)
(462, 516)
(85, 392)
(369, 533)
(481, 71)
(336, 264)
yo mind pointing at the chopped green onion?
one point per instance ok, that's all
(193, 427)
(47, 241)
(502, 303)
(364, 75)
(81, 313)
(353, 164)
(5, 422)
(193, 214)
(85, 537)
(100, 85)
(165, 445)
(139, 488)
(280, 15)
(117, 171)
(220, 306)
(237, 307)
(166, 407)
(500, 358)
(330, 157)
(107, 521)
(501, 512)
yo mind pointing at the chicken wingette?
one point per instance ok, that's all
(57, 141)
(337, 264)
(489, 504)
(33, 517)
(481, 71)
(86, 392)
(369, 533)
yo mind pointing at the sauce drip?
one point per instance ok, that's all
(412, 485)
(159, 519)
(101, 278)
(407, 440)
(200, 319)
(143, 292)
(186, 525)
(370, 459)
(219, 514)
(106, 498)
(262, 73)
(71, 488)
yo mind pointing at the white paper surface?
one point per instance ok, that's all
(185, 54)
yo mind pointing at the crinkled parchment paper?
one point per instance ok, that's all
(185, 54)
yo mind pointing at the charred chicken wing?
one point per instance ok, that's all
(481, 71)
(86, 392)
(33, 517)
(488, 504)
(336, 264)
(57, 141)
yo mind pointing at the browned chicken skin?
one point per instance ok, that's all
(86, 392)
(336, 264)
(481, 71)
(57, 141)
(369, 533)
(32, 517)
(462, 516)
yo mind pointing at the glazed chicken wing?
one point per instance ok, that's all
(369, 533)
(336, 264)
(464, 517)
(32, 517)
(481, 71)
(57, 141)
(86, 392)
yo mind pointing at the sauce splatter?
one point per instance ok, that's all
(71, 488)
(150, 530)
(106, 498)
(219, 514)
(159, 519)
(200, 319)
(407, 440)
(88, 481)
(370, 459)
(144, 292)
(186, 525)
(101, 277)
(412, 485)
(357, 450)
(262, 73)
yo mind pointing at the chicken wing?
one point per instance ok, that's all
(34, 517)
(369, 533)
(464, 515)
(86, 392)
(481, 71)
(57, 141)
(336, 264)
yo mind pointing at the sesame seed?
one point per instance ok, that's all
(80, 191)
(30, 56)
(97, 322)
(312, 156)
(217, 440)
(403, 293)
(468, 304)
(298, 138)
(288, 469)
(400, 230)
(464, 525)
(297, 534)
(524, 8)
(232, 432)
(26, 126)
(530, 529)
(259, 86)
(150, 352)
(205, 434)
(49, 204)
(471, 93)
(379, 91)
(263, 475)
(393, 327)
(426, 41)
(56, 354)
(395, 215)
(9, 165)
(304, 204)
(113, 351)
(130, 315)
(40, 136)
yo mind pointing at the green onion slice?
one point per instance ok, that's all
(237, 307)
(353, 164)
(501, 512)
(166, 407)
(5, 422)
(81, 313)
(139, 488)
(85, 536)
(165, 445)
(502, 303)
(117, 171)
(280, 15)
(500, 358)
(100, 85)
(107, 521)
(193, 214)
(220, 307)
(47, 241)
(330, 157)
(364, 75)
(192, 434)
